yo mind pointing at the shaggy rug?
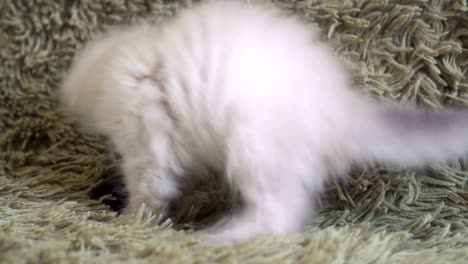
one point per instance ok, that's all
(413, 51)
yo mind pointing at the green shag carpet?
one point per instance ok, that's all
(413, 51)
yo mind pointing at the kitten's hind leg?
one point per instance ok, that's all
(276, 198)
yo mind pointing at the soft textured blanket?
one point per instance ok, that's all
(414, 51)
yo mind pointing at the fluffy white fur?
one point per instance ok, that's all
(248, 92)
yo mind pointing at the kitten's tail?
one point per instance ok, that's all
(411, 137)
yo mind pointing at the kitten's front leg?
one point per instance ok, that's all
(149, 181)
(149, 161)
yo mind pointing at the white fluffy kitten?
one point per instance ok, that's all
(248, 92)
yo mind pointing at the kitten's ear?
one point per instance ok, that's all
(411, 137)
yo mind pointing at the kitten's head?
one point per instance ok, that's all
(101, 82)
(82, 90)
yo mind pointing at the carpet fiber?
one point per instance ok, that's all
(413, 51)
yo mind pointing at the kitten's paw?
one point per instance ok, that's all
(234, 230)
(160, 214)
(249, 226)
(227, 236)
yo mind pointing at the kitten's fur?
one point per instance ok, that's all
(253, 94)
